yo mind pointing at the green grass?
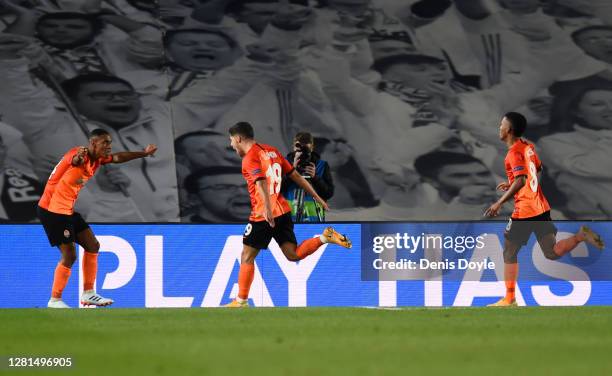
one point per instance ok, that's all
(307, 341)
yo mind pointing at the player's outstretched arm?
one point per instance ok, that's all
(519, 182)
(126, 156)
(79, 157)
(305, 185)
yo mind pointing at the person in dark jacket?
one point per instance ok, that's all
(310, 165)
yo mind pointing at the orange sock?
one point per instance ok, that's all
(60, 279)
(308, 247)
(90, 269)
(567, 245)
(510, 274)
(245, 278)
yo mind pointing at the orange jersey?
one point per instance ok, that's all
(522, 159)
(66, 181)
(266, 162)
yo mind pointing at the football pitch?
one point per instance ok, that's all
(314, 341)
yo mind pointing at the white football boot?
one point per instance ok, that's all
(57, 303)
(91, 298)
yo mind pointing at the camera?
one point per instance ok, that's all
(304, 159)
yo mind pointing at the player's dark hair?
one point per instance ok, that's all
(72, 86)
(518, 123)
(429, 165)
(243, 129)
(178, 142)
(191, 182)
(96, 23)
(170, 34)
(98, 132)
(384, 64)
(576, 34)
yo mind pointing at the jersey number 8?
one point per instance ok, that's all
(533, 182)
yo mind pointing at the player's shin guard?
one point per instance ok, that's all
(308, 247)
(245, 278)
(510, 276)
(60, 279)
(90, 269)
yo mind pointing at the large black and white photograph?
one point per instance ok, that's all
(390, 108)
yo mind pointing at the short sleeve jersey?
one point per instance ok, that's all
(264, 162)
(66, 181)
(522, 159)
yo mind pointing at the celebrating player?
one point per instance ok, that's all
(263, 167)
(64, 226)
(531, 210)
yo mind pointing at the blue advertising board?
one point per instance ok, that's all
(175, 265)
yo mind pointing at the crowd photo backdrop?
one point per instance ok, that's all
(403, 98)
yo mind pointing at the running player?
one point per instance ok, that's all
(531, 210)
(64, 226)
(263, 167)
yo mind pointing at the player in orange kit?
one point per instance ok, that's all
(264, 167)
(64, 226)
(531, 209)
